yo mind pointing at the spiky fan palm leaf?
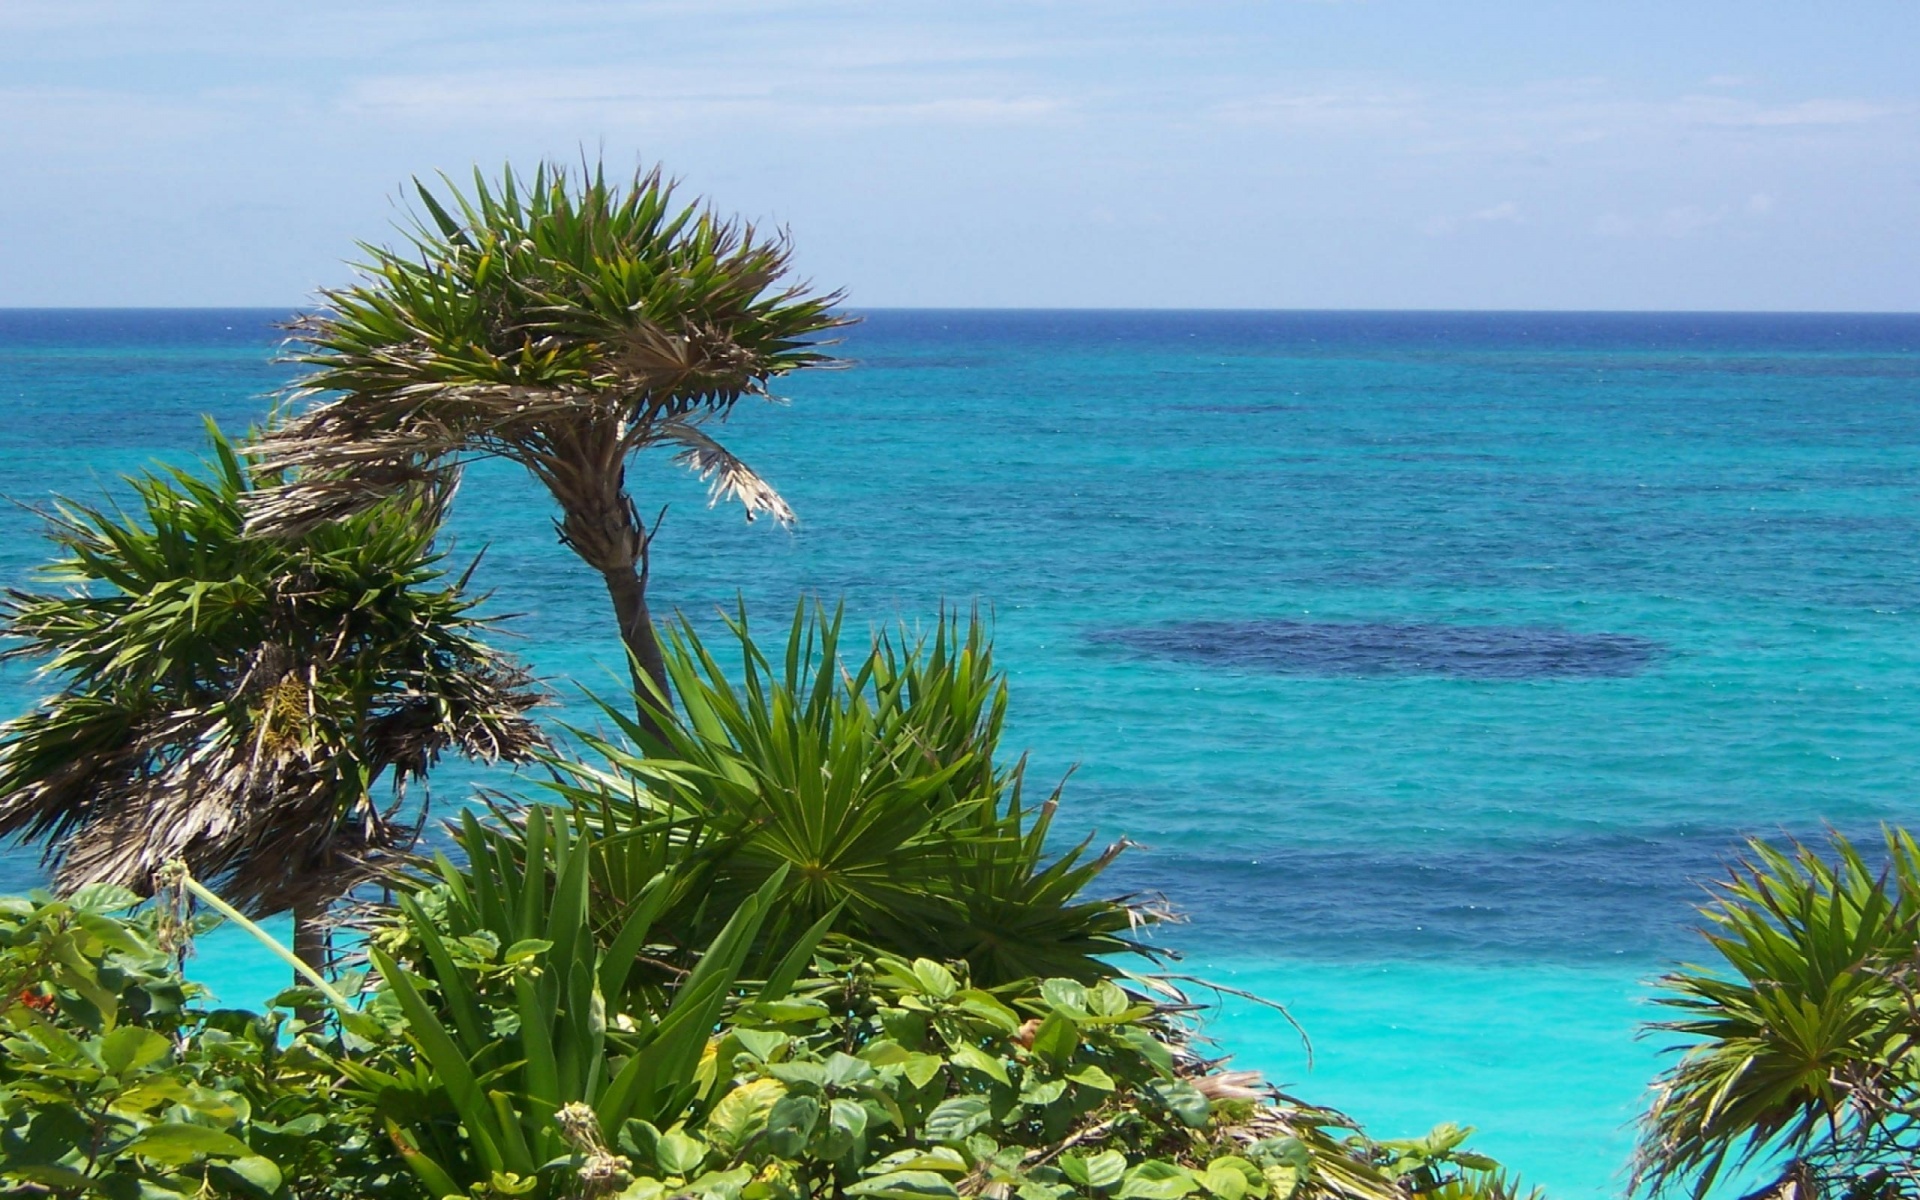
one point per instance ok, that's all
(1803, 1042)
(233, 700)
(564, 322)
(870, 780)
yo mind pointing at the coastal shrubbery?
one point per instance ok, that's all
(1801, 1046)
(541, 1018)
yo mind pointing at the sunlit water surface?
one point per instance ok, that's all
(1435, 660)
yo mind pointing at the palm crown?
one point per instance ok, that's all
(232, 701)
(564, 323)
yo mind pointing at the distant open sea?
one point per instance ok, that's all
(1435, 659)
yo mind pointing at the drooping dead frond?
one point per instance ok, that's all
(727, 477)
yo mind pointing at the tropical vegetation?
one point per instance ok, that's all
(875, 780)
(1801, 1050)
(237, 702)
(542, 1013)
(783, 924)
(564, 322)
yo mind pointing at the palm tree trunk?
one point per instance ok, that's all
(628, 591)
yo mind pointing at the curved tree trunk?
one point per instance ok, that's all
(628, 590)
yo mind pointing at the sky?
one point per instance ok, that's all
(1613, 154)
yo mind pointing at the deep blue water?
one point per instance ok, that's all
(1435, 659)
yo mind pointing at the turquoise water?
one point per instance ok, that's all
(1434, 659)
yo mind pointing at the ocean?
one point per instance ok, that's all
(1437, 662)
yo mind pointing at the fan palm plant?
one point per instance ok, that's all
(562, 322)
(870, 784)
(233, 701)
(1803, 1046)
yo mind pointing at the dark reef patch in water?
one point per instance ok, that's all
(1576, 898)
(1384, 649)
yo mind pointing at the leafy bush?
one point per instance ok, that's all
(502, 1051)
(109, 1084)
(873, 783)
(899, 1080)
(1801, 1040)
(523, 1062)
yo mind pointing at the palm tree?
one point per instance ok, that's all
(1802, 1043)
(565, 325)
(232, 701)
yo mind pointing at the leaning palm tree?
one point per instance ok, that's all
(233, 701)
(564, 323)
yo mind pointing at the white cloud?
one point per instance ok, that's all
(1726, 111)
(1688, 219)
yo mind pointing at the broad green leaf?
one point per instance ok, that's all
(953, 1119)
(177, 1145)
(258, 1171)
(1092, 1076)
(763, 1044)
(525, 949)
(130, 1047)
(1105, 1169)
(1107, 999)
(679, 1154)
(921, 1068)
(1042, 1093)
(1182, 1099)
(1157, 1180)
(1057, 1038)
(845, 1071)
(1065, 995)
(975, 1059)
(906, 1185)
(988, 1007)
(935, 979)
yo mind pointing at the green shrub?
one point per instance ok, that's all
(522, 1060)
(873, 782)
(114, 1083)
(1800, 1042)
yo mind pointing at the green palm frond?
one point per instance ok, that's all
(871, 780)
(231, 700)
(565, 322)
(1802, 1040)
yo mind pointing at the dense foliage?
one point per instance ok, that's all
(114, 1083)
(874, 780)
(233, 700)
(531, 1069)
(1803, 1039)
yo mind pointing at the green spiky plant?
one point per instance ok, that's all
(1802, 1043)
(234, 701)
(515, 1015)
(564, 322)
(870, 779)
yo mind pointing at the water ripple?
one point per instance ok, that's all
(1376, 648)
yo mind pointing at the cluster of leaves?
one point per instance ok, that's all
(1801, 1042)
(872, 781)
(231, 700)
(523, 1057)
(901, 1081)
(553, 282)
(113, 1085)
